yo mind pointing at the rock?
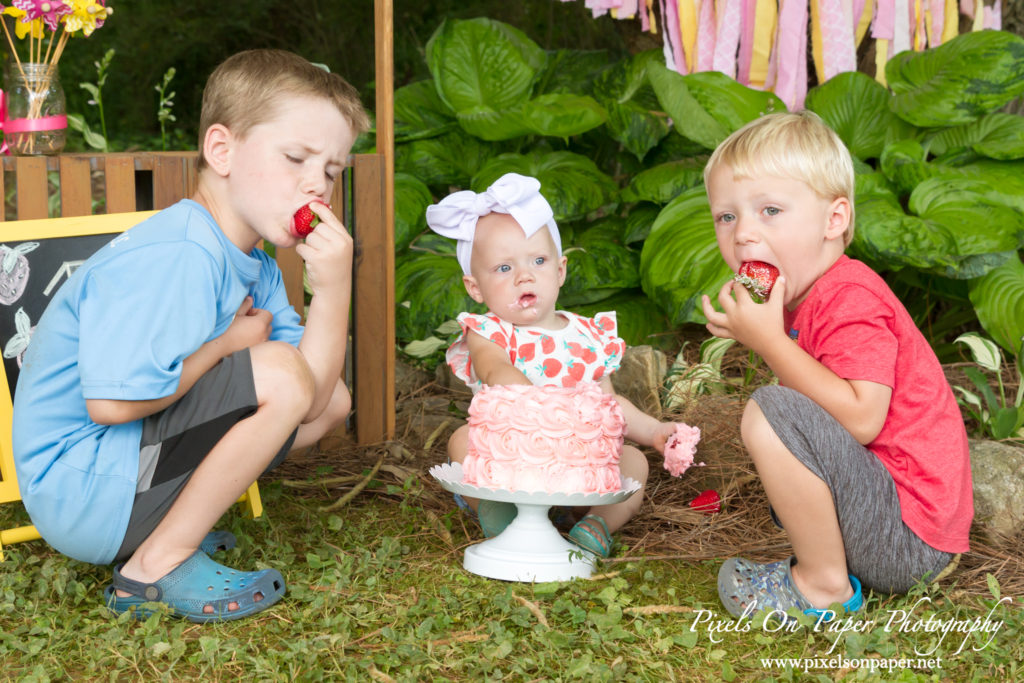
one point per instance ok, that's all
(409, 378)
(640, 377)
(998, 473)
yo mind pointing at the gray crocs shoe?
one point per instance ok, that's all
(746, 588)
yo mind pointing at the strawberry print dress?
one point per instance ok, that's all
(585, 350)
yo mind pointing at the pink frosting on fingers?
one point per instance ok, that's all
(680, 449)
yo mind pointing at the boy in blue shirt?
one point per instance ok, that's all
(170, 371)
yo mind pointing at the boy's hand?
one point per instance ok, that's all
(327, 252)
(250, 326)
(741, 318)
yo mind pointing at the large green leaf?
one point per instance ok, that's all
(640, 320)
(663, 183)
(707, 106)
(856, 107)
(634, 118)
(680, 260)
(996, 135)
(905, 164)
(449, 159)
(958, 81)
(998, 298)
(483, 63)
(572, 71)
(428, 291)
(562, 115)
(488, 123)
(954, 229)
(572, 183)
(639, 221)
(412, 198)
(599, 265)
(420, 112)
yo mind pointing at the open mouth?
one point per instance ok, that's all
(525, 301)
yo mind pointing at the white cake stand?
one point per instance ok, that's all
(530, 549)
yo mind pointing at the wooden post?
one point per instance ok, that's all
(385, 118)
(373, 304)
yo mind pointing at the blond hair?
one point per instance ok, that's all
(797, 145)
(244, 90)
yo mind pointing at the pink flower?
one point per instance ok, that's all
(680, 448)
(50, 11)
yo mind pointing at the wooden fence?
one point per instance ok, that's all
(85, 184)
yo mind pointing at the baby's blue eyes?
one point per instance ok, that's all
(772, 210)
(540, 260)
(504, 269)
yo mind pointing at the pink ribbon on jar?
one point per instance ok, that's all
(26, 125)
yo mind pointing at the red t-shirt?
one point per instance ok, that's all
(853, 324)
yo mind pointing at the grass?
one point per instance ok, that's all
(376, 591)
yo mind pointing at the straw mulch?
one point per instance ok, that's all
(666, 528)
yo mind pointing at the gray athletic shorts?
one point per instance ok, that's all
(881, 550)
(175, 440)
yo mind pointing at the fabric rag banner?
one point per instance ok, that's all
(764, 43)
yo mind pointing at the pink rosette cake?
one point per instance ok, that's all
(544, 438)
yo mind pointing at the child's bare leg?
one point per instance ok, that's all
(632, 464)
(333, 416)
(284, 393)
(458, 448)
(804, 505)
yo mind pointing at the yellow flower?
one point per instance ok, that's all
(22, 27)
(86, 16)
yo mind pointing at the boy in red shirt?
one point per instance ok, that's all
(862, 449)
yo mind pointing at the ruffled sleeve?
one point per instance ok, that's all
(604, 327)
(486, 325)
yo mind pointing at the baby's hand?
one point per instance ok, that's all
(680, 448)
(662, 434)
(327, 252)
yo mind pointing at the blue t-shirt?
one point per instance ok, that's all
(120, 328)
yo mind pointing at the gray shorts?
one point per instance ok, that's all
(881, 550)
(175, 440)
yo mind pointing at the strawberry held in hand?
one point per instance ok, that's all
(304, 221)
(759, 278)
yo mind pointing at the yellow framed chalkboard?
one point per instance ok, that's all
(36, 257)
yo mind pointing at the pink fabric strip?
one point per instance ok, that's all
(645, 20)
(671, 10)
(994, 16)
(33, 125)
(706, 36)
(967, 8)
(882, 24)
(938, 9)
(837, 38)
(790, 55)
(746, 42)
(728, 39)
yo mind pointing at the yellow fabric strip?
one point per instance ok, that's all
(919, 37)
(766, 21)
(865, 22)
(979, 16)
(816, 46)
(688, 30)
(881, 57)
(950, 28)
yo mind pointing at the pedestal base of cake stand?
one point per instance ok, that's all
(530, 549)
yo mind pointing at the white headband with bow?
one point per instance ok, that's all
(519, 196)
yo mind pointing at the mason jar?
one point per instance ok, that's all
(36, 120)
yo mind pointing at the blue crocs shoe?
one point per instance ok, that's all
(194, 585)
(591, 533)
(217, 541)
(746, 587)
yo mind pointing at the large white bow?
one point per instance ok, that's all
(456, 215)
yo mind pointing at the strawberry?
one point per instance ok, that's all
(708, 502)
(576, 370)
(527, 351)
(551, 367)
(547, 344)
(575, 349)
(758, 277)
(304, 221)
(589, 355)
